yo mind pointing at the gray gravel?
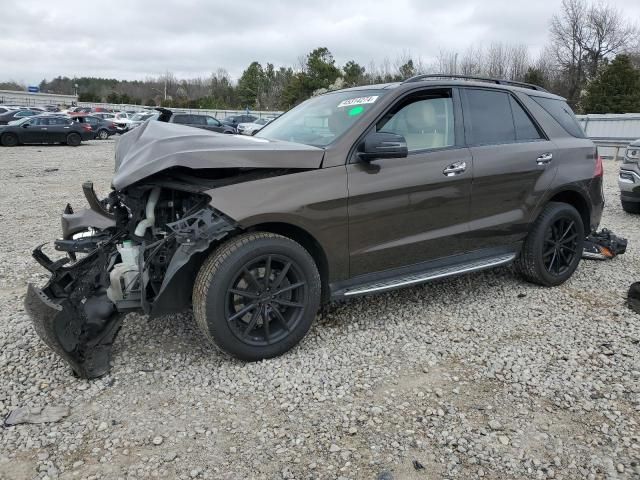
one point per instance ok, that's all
(480, 376)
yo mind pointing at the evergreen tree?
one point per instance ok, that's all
(615, 90)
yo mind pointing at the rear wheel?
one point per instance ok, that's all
(73, 139)
(9, 139)
(103, 134)
(553, 248)
(631, 207)
(256, 296)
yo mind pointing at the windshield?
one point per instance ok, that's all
(320, 120)
(141, 116)
(19, 121)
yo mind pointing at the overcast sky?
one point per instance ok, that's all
(135, 39)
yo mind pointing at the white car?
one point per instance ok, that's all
(122, 121)
(253, 127)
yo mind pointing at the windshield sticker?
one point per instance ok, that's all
(356, 111)
(358, 101)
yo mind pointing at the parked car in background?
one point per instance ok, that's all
(45, 129)
(104, 115)
(141, 117)
(11, 115)
(102, 128)
(205, 122)
(4, 109)
(122, 121)
(629, 178)
(52, 108)
(253, 127)
(235, 120)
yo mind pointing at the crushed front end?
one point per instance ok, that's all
(137, 249)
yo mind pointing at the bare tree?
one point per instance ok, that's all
(583, 36)
(518, 61)
(496, 60)
(472, 61)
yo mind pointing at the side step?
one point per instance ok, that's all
(421, 277)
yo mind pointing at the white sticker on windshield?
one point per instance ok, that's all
(358, 101)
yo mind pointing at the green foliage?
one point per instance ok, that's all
(353, 73)
(251, 85)
(407, 70)
(535, 76)
(615, 90)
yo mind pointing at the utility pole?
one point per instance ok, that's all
(166, 76)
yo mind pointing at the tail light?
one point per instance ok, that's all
(113, 125)
(599, 170)
(87, 127)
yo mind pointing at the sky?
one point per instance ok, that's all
(136, 39)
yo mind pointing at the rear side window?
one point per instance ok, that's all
(525, 128)
(488, 117)
(198, 120)
(562, 114)
(182, 119)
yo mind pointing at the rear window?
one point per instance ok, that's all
(489, 116)
(562, 114)
(182, 119)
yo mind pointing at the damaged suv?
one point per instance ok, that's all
(352, 192)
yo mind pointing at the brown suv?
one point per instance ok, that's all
(352, 192)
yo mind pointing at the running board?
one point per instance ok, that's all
(397, 282)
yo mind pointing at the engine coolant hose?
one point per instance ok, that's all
(141, 228)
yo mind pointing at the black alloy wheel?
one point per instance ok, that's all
(560, 246)
(9, 140)
(256, 295)
(553, 248)
(266, 300)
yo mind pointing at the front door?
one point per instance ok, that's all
(513, 165)
(32, 130)
(404, 211)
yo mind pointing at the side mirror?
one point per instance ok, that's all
(383, 145)
(25, 125)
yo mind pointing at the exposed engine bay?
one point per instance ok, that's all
(140, 247)
(132, 257)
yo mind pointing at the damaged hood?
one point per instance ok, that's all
(156, 146)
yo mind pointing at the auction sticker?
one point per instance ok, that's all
(358, 101)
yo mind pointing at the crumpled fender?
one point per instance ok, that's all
(93, 217)
(72, 313)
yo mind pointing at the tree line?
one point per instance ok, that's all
(592, 59)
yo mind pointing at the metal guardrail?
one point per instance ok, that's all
(611, 132)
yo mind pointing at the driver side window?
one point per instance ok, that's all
(424, 120)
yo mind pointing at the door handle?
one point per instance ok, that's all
(544, 159)
(455, 169)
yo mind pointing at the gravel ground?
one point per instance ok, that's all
(478, 376)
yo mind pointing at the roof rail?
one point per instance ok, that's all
(498, 81)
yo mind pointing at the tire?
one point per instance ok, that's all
(278, 321)
(73, 140)
(553, 248)
(631, 207)
(102, 134)
(9, 140)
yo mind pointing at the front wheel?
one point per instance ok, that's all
(630, 207)
(103, 134)
(73, 139)
(553, 248)
(256, 296)
(9, 140)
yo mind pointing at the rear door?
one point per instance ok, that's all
(404, 211)
(512, 165)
